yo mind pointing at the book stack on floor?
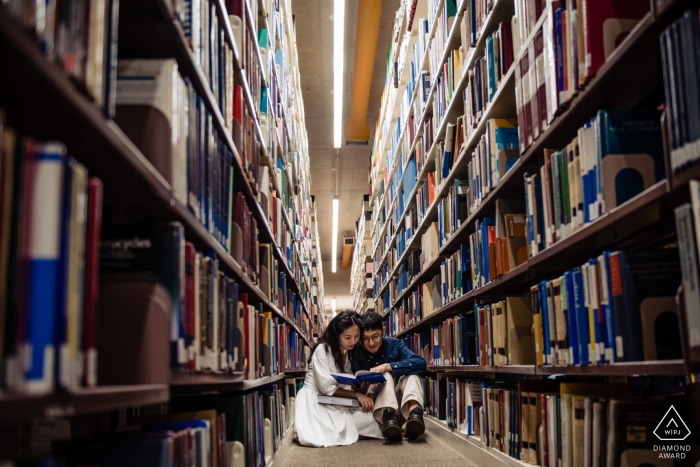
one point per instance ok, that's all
(546, 244)
(201, 273)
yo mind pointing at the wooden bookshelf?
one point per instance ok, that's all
(18, 407)
(623, 67)
(561, 256)
(64, 112)
(61, 110)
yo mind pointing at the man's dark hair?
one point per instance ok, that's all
(372, 322)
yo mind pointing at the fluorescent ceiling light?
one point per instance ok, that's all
(334, 241)
(338, 61)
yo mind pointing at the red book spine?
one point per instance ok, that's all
(482, 336)
(244, 348)
(534, 102)
(90, 289)
(25, 224)
(221, 439)
(541, 88)
(506, 36)
(544, 447)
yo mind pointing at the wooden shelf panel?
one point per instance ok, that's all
(196, 383)
(441, 314)
(517, 369)
(656, 367)
(16, 408)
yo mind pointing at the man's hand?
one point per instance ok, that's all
(363, 387)
(366, 402)
(381, 368)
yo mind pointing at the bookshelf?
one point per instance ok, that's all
(319, 311)
(41, 101)
(361, 270)
(417, 114)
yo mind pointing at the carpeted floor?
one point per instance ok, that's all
(425, 451)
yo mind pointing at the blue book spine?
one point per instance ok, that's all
(44, 253)
(560, 48)
(581, 314)
(571, 317)
(542, 287)
(491, 67)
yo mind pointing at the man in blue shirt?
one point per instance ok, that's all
(401, 368)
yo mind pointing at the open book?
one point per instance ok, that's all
(361, 376)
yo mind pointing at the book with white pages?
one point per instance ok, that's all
(339, 401)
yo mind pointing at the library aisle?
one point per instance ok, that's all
(220, 220)
(427, 450)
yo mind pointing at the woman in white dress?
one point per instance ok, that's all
(326, 425)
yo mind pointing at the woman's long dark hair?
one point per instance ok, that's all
(331, 336)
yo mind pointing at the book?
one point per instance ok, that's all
(359, 378)
(338, 401)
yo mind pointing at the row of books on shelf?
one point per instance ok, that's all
(198, 163)
(564, 55)
(188, 151)
(212, 431)
(81, 40)
(206, 35)
(53, 244)
(559, 422)
(452, 282)
(214, 326)
(574, 187)
(613, 158)
(165, 118)
(49, 259)
(618, 307)
(680, 43)
(486, 76)
(498, 169)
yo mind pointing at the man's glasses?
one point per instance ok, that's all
(374, 339)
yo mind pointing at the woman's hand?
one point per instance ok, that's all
(366, 402)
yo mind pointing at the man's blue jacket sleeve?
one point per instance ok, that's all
(408, 362)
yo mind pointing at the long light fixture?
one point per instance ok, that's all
(338, 61)
(334, 241)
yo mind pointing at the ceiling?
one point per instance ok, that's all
(314, 32)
